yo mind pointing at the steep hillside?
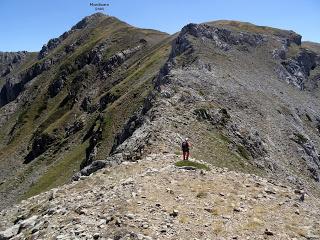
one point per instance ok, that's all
(246, 96)
(74, 97)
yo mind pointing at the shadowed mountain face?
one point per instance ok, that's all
(106, 92)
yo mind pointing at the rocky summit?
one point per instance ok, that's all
(91, 129)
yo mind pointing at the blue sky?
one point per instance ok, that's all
(28, 24)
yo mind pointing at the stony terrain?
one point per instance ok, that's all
(154, 199)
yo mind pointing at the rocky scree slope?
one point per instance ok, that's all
(65, 105)
(153, 199)
(247, 96)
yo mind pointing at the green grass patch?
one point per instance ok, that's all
(60, 172)
(243, 152)
(187, 163)
(214, 149)
(225, 138)
(293, 50)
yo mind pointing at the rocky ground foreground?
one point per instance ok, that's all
(154, 199)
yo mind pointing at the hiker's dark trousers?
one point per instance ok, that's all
(185, 155)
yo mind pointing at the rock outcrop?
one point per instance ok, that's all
(297, 70)
(53, 43)
(222, 38)
(92, 21)
(40, 144)
(15, 85)
(309, 154)
(10, 60)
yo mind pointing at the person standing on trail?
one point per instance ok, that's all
(185, 149)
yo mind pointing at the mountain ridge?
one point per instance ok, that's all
(57, 67)
(108, 93)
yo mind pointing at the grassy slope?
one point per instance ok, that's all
(59, 172)
(212, 145)
(138, 83)
(313, 46)
(133, 89)
(56, 166)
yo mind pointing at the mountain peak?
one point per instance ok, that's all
(90, 21)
